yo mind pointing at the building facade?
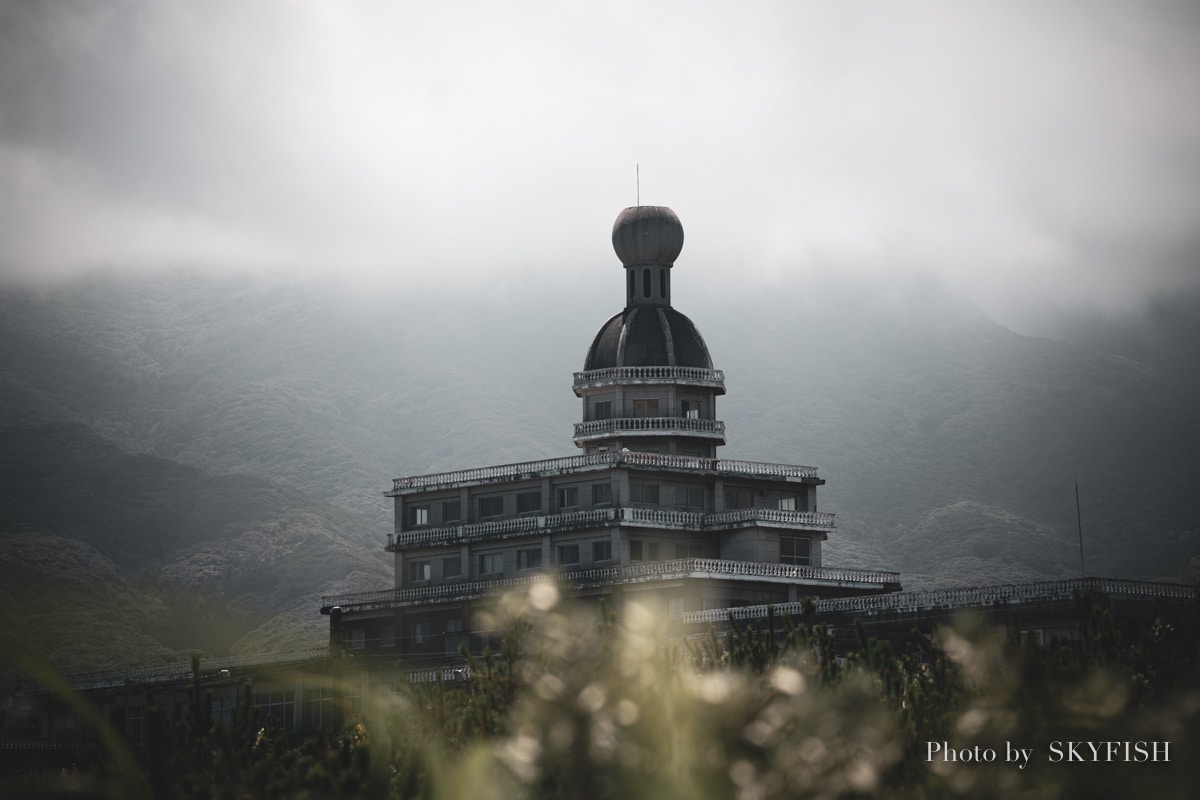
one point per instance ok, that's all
(647, 511)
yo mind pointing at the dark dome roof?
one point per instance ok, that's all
(648, 336)
(647, 235)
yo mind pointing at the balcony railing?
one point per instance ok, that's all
(649, 426)
(603, 517)
(580, 463)
(962, 597)
(649, 571)
(694, 376)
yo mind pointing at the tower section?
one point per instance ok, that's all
(648, 383)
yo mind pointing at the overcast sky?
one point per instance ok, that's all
(1038, 155)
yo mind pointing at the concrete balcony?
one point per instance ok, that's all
(593, 462)
(649, 426)
(641, 573)
(632, 376)
(661, 518)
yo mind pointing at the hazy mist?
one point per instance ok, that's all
(1041, 159)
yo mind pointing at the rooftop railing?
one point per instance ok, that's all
(558, 466)
(962, 597)
(687, 375)
(599, 517)
(622, 574)
(603, 427)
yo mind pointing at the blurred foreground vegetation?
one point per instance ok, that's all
(576, 706)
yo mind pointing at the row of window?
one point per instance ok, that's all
(527, 502)
(493, 563)
(647, 407)
(792, 550)
(356, 638)
(601, 495)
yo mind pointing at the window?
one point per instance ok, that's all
(418, 515)
(420, 570)
(675, 607)
(420, 632)
(568, 497)
(451, 567)
(491, 563)
(451, 511)
(645, 283)
(387, 636)
(787, 503)
(318, 706)
(688, 550)
(135, 722)
(279, 706)
(645, 408)
(529, 501)
(568, 554)
(689, 496)
(602, 409)
(646, 493)
(689, 409)
(529, 559)
(794, 550)
(643, 551)
(739, 498)
(602, 551)
(662, 283)
(454, 626)
(356, 638)
(601, 494)
(222, 711)
(491, 506)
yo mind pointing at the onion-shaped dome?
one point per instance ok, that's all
(647, 235)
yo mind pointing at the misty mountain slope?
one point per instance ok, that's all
(311, 389)
(918, 407)
(75, 607)
(174, 558)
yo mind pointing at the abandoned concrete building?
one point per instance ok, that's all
(646, 511)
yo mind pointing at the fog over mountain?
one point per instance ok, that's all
(179, 428)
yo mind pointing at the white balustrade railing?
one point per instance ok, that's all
(598, 517)
(554, 466)
(625, 573)
(597, 427)
(692, 375)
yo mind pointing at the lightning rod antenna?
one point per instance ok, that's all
(638, 167)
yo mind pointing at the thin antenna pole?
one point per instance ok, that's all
(1079, 523)
(638, 167)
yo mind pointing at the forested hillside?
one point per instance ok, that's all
(224, 443)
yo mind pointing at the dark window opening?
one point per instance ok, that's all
(568, 554)
(491, 506)
(795, 550)
(529, 501)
